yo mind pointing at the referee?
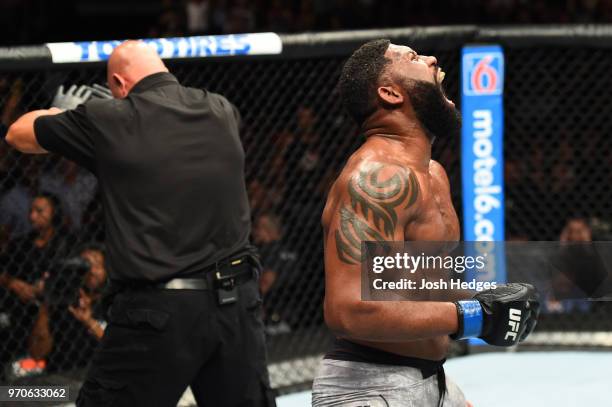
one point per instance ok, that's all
(185, 305)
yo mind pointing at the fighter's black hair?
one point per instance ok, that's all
(360, 77)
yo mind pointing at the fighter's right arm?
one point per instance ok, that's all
(374, 202)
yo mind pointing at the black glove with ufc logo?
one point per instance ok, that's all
(502, 316)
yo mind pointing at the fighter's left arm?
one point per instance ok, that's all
(21, 134)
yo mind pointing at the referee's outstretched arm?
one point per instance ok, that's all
(21, 133)
(130, 62)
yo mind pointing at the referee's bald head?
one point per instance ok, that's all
(129, 63)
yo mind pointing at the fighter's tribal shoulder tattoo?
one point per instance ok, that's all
(372, 214)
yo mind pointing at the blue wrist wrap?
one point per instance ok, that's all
(471, 311)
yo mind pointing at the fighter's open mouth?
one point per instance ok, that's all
(441, 75)
(439, 78)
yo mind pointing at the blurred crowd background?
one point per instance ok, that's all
(51, 216)
(41, 21)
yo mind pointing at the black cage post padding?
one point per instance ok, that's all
(557, 149)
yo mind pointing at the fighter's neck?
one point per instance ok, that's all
(409, 138)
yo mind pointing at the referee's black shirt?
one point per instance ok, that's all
(170, 167)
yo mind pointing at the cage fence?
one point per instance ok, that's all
(557, 150)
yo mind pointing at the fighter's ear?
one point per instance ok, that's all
(390, 96)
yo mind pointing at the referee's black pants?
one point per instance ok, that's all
(158, 342)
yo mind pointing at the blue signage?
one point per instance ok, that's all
(482, 164)
(482, 142)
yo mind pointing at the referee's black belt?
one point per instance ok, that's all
(226, 273)
(201, 283)
(185, 284)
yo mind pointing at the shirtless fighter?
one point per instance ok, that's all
(390, 353)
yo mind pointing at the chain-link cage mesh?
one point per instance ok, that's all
(558, 159)
(558, 156)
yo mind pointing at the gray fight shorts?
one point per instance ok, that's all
(359, 384)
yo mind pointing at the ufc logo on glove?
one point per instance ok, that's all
(514, 322)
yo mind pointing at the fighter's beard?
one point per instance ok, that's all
(438, 118)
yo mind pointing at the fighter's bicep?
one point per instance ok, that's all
(372, 204)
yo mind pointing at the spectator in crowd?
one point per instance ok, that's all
(218, 16)
(29, 257)
(66, 336)
(306, 19)
(601, 229)
(240, 17)
(74, 186)
(534, 188)
(303, 158)
(308, 175)
(11, 93)
(275, 255)
(197, 13)
(234, 16)
(16, 198)
(91, 293)
(514, 178)
(562, 183)
(276, 170)
(5, 235)
(92, 225)
(170, 22)
(279, 17)
(565, 295)
(260, 197)
(576, 230)
(279, 262)
(22, 270)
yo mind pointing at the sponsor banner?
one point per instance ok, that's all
(182, 47)
(482, 166)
